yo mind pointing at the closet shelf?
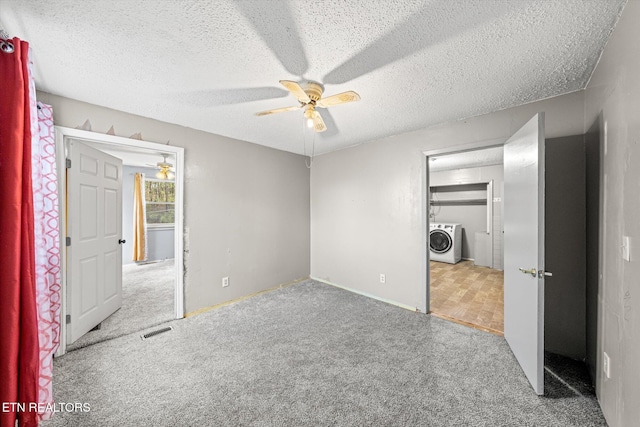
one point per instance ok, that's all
(460, 186)
(453, 202)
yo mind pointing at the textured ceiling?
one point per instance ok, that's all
(210, 65)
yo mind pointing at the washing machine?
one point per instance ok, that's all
(445, 242)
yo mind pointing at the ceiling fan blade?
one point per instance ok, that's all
(318, 123)
(275, 22)
(296, 90)
(341, 98)
(278, 110)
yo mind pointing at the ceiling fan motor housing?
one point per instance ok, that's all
(313, 90)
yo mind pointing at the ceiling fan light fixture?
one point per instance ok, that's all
(308, 114)
(164, 169)
(165, 174)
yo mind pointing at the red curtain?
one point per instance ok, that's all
(18, 319)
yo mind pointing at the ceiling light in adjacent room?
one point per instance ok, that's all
(165, 171)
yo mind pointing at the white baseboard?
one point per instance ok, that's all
(355, 291)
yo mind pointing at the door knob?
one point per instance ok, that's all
(544, 273)
(121, 241)
(532, 271)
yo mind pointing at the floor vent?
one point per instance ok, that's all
(156, 332)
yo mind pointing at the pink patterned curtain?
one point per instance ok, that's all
(47, 249)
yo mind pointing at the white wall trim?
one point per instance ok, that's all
(425, 266)
(62, 135)
(366, 294)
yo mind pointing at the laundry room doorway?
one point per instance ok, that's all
(465, 238)
(543, 209)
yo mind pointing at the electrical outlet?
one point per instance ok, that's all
(606, 365)
(383, 278)
(225, 282)
(626, 248)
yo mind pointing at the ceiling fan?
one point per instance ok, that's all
(309, 98)
(165, 169)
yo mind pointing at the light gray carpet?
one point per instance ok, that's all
(147, 300)
(309, 355)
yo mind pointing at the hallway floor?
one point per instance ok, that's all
(147, 300)
(468, 294)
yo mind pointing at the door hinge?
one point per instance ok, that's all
(68, 163)
(68, 241)
(68, 319)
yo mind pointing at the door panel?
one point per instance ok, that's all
(111, 214)
(89, 220)
(95, 227)
(524, 248)
(88, 294)
(110, 276)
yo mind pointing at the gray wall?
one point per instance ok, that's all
(367, 201)
(613, 97)
(565, 240)
(246, 206)
(473, 217)
(160, 241)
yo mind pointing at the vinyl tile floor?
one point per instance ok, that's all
(468, 294)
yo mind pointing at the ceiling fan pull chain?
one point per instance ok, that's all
(304, 142)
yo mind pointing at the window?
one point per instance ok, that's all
(160, 201)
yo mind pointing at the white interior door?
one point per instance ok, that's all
(94, 189)
(524, 248)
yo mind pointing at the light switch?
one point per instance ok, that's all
(626, 248)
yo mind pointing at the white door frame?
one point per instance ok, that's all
(62, 135)
(426, 205)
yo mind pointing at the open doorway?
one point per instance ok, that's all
(465, 238)
(148, 265)
(571, 170)
(152, 284)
